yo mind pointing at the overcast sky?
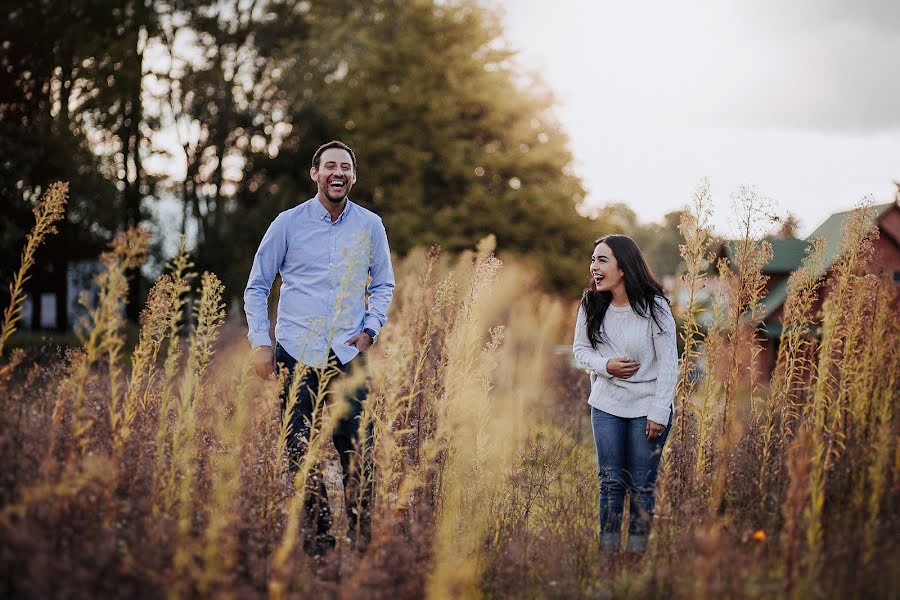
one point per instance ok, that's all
(799, 97)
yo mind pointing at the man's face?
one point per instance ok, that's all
(335, 175)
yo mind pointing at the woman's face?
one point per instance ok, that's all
(605, 271)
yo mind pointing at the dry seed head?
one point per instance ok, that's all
(804, 283)
(754, 212)
(446, 292)
(159, 303)
(434, 253)
(210, 314)
(129, 248)
(52, 206)
(859, 231)
(50, 209)
(486, 247)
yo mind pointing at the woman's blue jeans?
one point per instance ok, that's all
(628, 462)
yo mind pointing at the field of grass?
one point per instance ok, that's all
(161, 472)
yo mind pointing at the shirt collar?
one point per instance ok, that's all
(322, 213)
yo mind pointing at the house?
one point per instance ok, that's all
(788, 255)
(52, 302)
(64, 265)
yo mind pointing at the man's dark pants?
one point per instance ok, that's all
(355, 455)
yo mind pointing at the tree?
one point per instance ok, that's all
(219, 91)
(454, 142)
(787, 226)
(43, 85)
(658, 241)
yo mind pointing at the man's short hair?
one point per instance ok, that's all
(317, 157)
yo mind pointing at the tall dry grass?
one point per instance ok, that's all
(171, 470)
(50, 209)
(165, 473)
(782, 499)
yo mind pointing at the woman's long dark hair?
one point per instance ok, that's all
(640, 285)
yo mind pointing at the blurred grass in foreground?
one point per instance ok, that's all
(162, 471)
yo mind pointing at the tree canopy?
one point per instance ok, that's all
(220, 105)
(658, 241)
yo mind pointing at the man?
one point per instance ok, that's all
(325, 249)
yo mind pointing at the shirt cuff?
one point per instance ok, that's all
(372, 323)
(605, 372)
(259, 339)
(659, 415)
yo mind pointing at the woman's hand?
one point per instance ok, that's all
(623, 368)
(654, 429)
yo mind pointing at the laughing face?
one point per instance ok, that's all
(605, 271)
(335, 175)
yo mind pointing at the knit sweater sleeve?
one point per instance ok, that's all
(664, 343)
(585, 354)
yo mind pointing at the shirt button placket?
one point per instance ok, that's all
(332, 232)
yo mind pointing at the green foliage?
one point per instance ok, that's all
(71, 76)
(454, 141)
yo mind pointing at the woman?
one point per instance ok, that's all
(625, 335)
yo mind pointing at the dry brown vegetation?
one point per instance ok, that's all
(161, 471)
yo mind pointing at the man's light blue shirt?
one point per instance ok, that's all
(324, 266)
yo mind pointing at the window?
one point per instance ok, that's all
(48, 311)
